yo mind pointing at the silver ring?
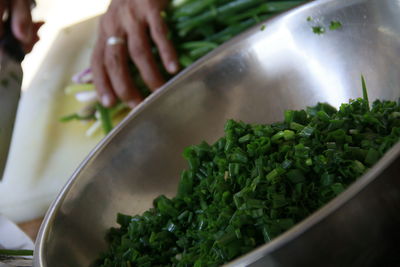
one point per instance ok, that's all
(115, 40)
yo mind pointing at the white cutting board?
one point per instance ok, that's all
(45, 152)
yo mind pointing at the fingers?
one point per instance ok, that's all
(21, 21)
(140, 52)
(110, 68)
(110, 63)
(159, 33)
(116, 60)
(100, 77)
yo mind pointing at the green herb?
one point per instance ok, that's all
(254, 183)
(20, 252)
(318, 29)
(365, 92)
(263, 27)
(76, 116)
(77, 88)
(335, 25)
(105, 118)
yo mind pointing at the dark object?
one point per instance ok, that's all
(11, 55)
(10, 45)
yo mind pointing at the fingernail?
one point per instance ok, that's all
(173, 67)
(132, 103)
(106, 100)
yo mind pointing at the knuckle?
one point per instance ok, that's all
(154, 10)
(113, 60)
(98, 49)
(124, 93)
(99, 85)
(137, 49)
(103, 21)
(107, 18)
(110, 25)
(96, 60)
(95, 64)
(159, 31)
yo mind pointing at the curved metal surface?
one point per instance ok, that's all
(253, 78)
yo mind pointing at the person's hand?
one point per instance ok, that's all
(125, 32)
(22, 26)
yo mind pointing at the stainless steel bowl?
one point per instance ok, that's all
(253, 78)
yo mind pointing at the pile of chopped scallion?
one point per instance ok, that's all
(254, 183)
